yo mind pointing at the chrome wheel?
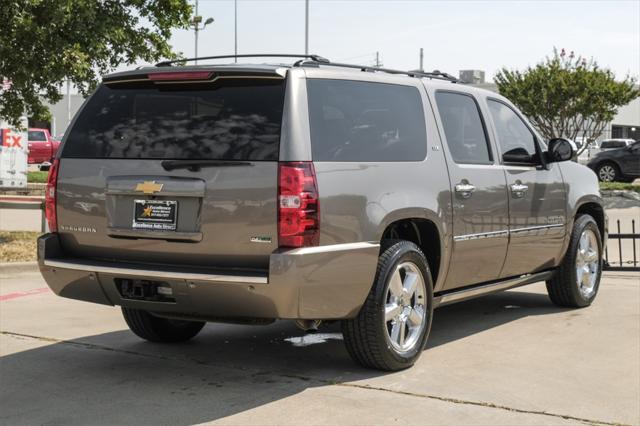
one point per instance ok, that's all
(587, 263)
(405, 310)
(607, 173)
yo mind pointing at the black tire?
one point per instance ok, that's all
(563, 288)
(608, 165)
(160, 330)
(366, 335)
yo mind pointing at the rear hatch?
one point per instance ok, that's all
(174, 169)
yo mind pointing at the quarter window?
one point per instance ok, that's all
(517, 142)
(359, 121)
(463, 128)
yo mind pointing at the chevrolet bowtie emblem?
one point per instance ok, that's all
(149, 187)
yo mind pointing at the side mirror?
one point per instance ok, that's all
(517, 155)
(560, 149)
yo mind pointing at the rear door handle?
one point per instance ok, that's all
(465, 189)
(518, 189)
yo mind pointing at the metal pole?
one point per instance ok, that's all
(306, 27)
(421, 58)
(195, 27)
(235, 29)
(68, 102)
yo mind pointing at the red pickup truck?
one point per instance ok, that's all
(42, 147)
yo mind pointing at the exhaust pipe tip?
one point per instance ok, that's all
(309, 326)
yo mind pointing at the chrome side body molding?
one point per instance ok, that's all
(504, 232)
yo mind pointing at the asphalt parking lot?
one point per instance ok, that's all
(510, 358)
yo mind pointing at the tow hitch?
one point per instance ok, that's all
(153, 291)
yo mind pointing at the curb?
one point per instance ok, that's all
(630, 195)
(15, 267)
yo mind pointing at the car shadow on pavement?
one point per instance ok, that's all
(228, 369)
(460, 320)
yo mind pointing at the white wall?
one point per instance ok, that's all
(629, 115)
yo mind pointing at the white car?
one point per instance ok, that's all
(608, 144)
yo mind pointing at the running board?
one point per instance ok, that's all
(484, 289)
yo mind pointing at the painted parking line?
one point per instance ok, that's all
(23, 293)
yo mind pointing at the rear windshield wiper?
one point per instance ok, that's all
(196, 165)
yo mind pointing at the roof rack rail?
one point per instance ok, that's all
(366, 68)
(315, 58)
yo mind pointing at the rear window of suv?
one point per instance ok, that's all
(232, 119)
(365, 122)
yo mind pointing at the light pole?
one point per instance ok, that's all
(195, 24)
(306, 27)
(235, 30)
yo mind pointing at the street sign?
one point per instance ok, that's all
(13, 155)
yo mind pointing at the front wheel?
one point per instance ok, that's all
(392, 326)
(160, 330)
(608, 172)
(577, 280)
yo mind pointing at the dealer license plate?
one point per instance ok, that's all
(155, 215)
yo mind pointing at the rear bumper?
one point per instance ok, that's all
(327, 282)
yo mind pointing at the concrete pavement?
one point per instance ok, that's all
(510, 358)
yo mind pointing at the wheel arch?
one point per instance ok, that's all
(596, 211)
(425, 232)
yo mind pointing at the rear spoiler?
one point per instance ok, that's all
(190, 75)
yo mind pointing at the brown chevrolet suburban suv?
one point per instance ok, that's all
(312, 191)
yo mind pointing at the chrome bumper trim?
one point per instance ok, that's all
(148, 273)
(332, 248)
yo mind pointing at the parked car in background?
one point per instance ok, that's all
(609, 144)
(42, 147)
(617, 164)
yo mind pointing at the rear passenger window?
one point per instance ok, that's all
(365, 122)
(463, 128)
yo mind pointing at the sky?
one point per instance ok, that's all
(455, 35)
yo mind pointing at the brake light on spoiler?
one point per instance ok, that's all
(298, 205)
(180, 75)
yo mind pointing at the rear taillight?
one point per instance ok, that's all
(50, 198)
(298, 205)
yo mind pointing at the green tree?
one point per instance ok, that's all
(566, 95)
(44, 43)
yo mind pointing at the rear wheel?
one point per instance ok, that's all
(608, 172)
(161, 330)
(392, 326)
(577, 280)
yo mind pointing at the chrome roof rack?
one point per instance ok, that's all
(366, 68)
(314, 58)
(317, 61)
